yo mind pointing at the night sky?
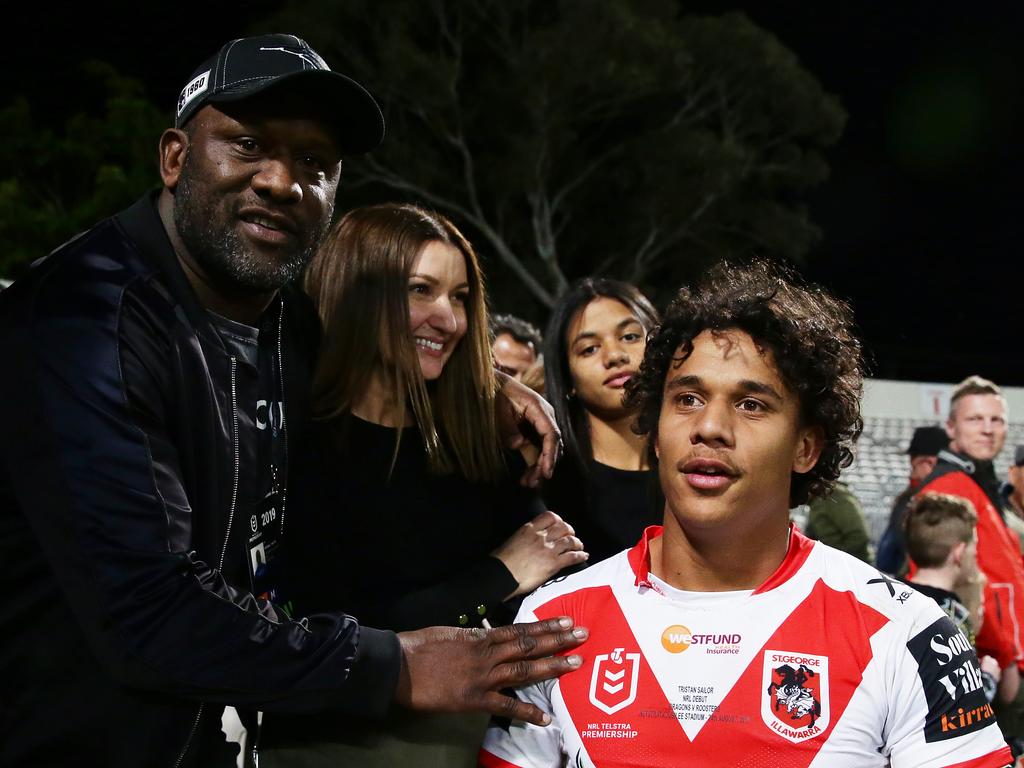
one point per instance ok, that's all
(920, 213)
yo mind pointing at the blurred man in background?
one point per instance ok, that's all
(977, 428)
(923, 452)
(516, 350)
(516, 345)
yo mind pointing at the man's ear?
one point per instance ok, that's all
(808, 449)
(956, 553)
(173, 148)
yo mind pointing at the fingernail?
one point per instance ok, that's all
(580, 633)
(545, 719)
(565, 622)
(574, 661)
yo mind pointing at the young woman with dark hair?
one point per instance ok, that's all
(594, 343)
(421, 522)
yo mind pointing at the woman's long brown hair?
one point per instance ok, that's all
(359, 282)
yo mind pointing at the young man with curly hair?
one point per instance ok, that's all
(725, 637)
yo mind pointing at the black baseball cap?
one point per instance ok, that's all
(928, 441)
(250, 65)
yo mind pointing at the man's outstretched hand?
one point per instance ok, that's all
(526, 422)
(446, 669)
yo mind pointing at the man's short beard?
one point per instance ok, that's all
(217, 247)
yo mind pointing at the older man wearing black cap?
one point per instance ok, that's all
(156, 379)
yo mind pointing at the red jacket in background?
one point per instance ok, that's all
(999, 558)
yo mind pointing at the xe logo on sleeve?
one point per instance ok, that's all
(614, 681)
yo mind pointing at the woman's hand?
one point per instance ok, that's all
(525, 419)
(539, 550)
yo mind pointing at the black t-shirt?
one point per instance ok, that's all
(406, 550)
(951, 604)
(608, 507)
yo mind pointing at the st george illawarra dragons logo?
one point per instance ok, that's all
(794, 697)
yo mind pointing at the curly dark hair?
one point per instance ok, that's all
(809, 334)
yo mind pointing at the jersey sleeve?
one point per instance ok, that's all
(524, 745)
(939, 717)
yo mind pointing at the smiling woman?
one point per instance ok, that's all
(420, 522)
(401, 297)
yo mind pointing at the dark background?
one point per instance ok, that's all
(920, 213)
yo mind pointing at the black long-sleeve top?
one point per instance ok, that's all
(406, 550)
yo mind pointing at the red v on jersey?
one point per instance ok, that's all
(728, 737)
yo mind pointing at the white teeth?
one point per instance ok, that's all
(436, 346)
(264, 222)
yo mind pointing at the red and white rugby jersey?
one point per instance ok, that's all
(828, 663)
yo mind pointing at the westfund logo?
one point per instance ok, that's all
(952, 684)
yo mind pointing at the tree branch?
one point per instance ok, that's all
(381, 174)
(647, 259)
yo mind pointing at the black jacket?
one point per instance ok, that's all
(121, 637)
